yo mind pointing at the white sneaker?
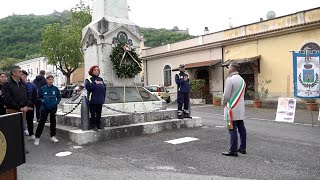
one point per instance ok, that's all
(36, 141)
(54, 139)
(32, 138)
(26, 132)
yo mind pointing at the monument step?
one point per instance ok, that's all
(80, 137)
(119, 119)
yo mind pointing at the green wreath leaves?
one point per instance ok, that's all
(127, 66)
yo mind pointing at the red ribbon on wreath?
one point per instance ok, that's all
(127, 49)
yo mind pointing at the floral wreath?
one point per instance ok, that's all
(126, 61)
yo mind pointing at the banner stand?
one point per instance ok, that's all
(306, 75)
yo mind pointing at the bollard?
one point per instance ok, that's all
(85, 120)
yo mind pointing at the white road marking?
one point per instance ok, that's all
(202, 106)
(163, 168)
(77, 147)
(62, 154)
(182, 140)
(220, 126)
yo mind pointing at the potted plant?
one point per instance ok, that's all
(312, 104)
(217, 100)
(261, 93)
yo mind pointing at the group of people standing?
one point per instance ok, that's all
(17, 94)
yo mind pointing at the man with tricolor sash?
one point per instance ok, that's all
(234, 110)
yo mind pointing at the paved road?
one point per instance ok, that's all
(275, 151)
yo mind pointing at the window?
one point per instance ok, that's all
(167, 75)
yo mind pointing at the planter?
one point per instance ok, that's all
(257, 104)
(312, 106)
(197, 101)
(217, 102)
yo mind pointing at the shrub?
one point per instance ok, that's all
(196, 88)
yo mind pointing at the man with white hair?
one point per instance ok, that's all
(234, 110)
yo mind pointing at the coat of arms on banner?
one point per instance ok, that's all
(306, 75)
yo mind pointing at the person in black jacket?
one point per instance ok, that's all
(34, 95)
(96, 93)
(40, 81)
(15, 93)
(3, 79)
(183, 92)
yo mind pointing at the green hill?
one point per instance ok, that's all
(20, 35)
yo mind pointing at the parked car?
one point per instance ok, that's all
(160, 91)
(67, 91)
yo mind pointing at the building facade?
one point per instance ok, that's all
(201, 62)
(261, 49)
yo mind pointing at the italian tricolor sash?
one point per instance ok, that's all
(233, 102)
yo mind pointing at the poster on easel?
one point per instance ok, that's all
(306, 73)
(286, 110)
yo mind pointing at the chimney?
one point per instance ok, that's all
(206, 30)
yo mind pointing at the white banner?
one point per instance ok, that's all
(286, 110)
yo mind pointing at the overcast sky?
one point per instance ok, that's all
(191, 14)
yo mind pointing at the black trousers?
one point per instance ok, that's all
(95, 112)
(38, 106)
(2, 110)
(44, 116)
(29, 117)
(183, 100)
(239, 124)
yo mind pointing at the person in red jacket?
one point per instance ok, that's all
(96, 93)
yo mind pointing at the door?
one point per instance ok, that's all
(249, 79)
(203, 74)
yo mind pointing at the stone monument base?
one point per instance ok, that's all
(80, 137)
(141, 113)
(122, 125)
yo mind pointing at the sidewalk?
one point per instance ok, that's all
(301, 116)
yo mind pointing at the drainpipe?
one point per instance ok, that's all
(146, 75)
(222, 60)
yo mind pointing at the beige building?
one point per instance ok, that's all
(202, 62)
(267, 44)
(262, 49)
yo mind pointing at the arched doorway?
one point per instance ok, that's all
(204, 74)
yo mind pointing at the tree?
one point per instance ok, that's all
(158, 37)
(62, 45)
(7, 64)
